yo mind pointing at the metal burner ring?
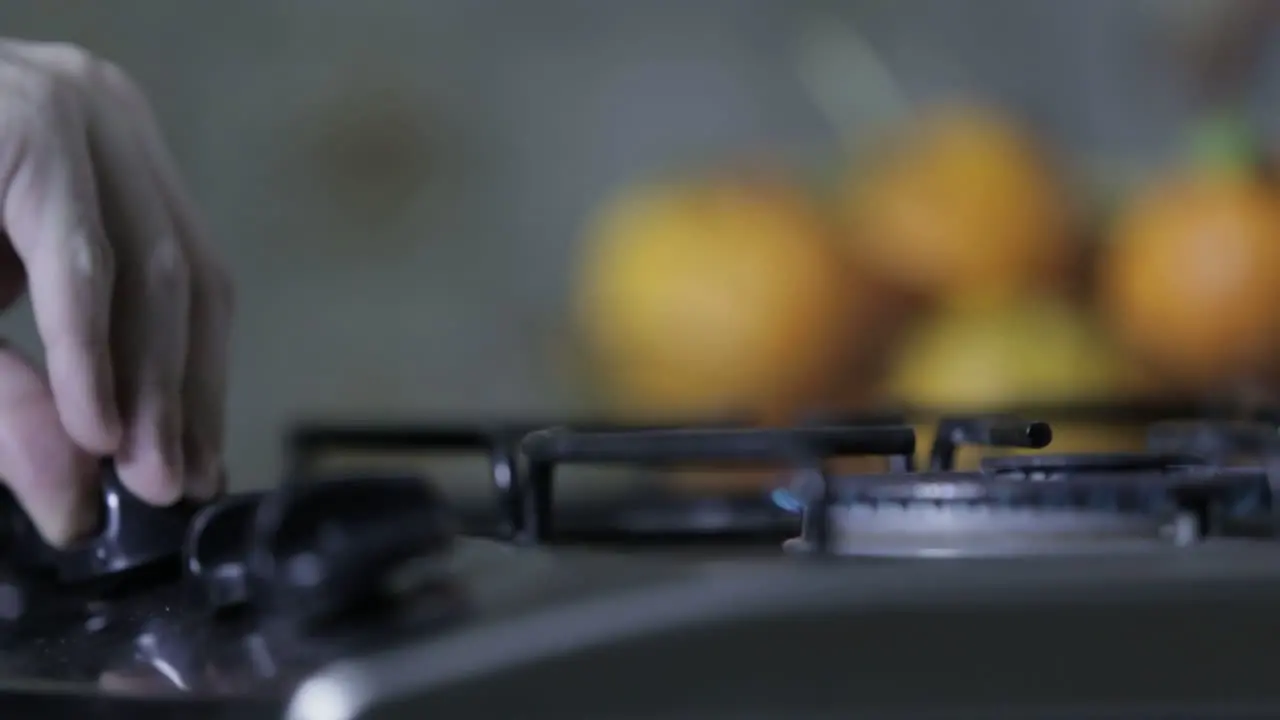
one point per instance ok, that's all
(957, 530)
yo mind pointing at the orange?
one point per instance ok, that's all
(723, 294)
(1039, 350)
(1191, 279)
(962, 206)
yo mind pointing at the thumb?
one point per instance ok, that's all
(50, 476)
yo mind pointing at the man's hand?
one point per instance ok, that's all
(131, 305)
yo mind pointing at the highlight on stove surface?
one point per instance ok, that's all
(1196, 480)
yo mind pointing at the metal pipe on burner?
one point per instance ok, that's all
(990, 431)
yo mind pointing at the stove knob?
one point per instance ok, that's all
(217, 550)
(320, 550)
(133, 536)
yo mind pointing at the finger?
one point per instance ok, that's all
(151, 304)
(204, 378)
(50, 213)
(149, 325)
(205, 381)
(49, 475)
(211, 312)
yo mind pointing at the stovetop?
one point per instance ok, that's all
(1046, 585)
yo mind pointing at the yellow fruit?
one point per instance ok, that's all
(720, 295)
(1036, 353)
(962, 206)
(1192, 277)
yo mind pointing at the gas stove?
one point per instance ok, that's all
(1035, 585)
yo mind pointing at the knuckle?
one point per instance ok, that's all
(29, 151)
(40, 105)
(71, 58)
(90, 264)
(92, 259)
(84, 71)
(34, 99)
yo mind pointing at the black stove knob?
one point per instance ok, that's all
(216, 552)
(133, 535)
(321, 550)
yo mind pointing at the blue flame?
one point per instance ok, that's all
(785, 500)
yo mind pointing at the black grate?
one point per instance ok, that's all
(524, 456)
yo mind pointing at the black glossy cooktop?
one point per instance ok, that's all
(1053, 586)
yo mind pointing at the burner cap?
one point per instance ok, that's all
(949, 531)
(1090, 462)
(1030, 505)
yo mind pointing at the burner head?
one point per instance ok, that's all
(1033, 505)
(956, 531)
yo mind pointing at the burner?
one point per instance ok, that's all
(952, 530)
(1031, 505)
(979, 514)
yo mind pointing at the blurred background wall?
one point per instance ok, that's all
(400, 185)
